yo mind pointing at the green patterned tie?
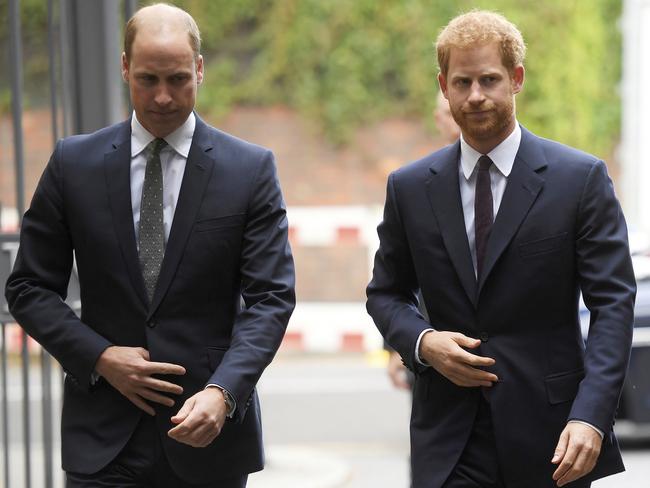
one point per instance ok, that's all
(152, 231)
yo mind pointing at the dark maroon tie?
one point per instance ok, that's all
(483, 211)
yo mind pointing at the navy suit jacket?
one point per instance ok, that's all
(559, 230)
(228, 242)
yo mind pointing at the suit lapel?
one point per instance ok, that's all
(195, 179)
(443, 191)
(523, 187)
(117, 170)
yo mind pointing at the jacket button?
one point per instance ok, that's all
(151, 323)
(484, 336)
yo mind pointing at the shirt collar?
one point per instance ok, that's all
(503, 156)
(180, 140)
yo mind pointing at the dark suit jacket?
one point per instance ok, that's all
(228, 241)
(559, 230)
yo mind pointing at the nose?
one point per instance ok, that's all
(162, 95)
(476, 94)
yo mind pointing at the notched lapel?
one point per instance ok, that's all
(523, 187)
(117, 170)
(443, 191)
(195, 179)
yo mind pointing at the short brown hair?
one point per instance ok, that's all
(192, 30)
(481, 27)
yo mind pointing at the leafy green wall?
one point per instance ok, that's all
(346, 63)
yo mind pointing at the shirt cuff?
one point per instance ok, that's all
(417, 347)
(231, 404)
(600, 432)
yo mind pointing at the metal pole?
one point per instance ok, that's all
(52, 70)
(66, 79)
(130, 6)
(27, 430)
(5, 404)
(16, 63)
(46, 360)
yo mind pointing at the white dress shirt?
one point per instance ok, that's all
(173, 159)
(503, 157)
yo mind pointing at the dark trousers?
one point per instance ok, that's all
(478, 466)
(142, 464)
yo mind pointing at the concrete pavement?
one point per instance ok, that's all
(329, 421)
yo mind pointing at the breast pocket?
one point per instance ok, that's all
(219, 223)
(563, 387)
(542, 246)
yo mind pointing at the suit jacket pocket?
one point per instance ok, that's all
(563, 387)
(215, 355)
(542, 246)
(224, 222)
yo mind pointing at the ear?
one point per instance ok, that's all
(517, 78)
(199, 70)
(442, 81)
(125, 68)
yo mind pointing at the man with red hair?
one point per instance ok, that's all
(500, 232)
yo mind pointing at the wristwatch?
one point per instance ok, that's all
(230, 402)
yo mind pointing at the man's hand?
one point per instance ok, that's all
(129, 371)
(397, 371)
(576, 452)
(444, 352)
(201, 418)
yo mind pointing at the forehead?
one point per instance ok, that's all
(161, 45)
(475, 59)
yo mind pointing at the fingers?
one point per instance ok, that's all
(474, 360)
(156, 397)
(397, 372)
(184, 411)
(164, 386)
(200, 419)
(196, 430)
(143, 353)
(141, 404)
(398, 378)
(464, 341)
(164, 368)
(577, 453)
(560, 449)
(463, 375)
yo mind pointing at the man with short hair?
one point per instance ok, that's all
(173, 225)
(501, 232)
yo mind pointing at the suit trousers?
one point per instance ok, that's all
(143, 464)
(478, 466)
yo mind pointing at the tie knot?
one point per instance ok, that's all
(156, 146)
(484, 163)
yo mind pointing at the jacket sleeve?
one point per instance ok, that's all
(392, 292)
(606, 278)
(37, 287)
(267, 288)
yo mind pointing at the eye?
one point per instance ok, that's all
(179, 78)
(147, 79)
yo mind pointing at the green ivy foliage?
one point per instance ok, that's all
(347, 63)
